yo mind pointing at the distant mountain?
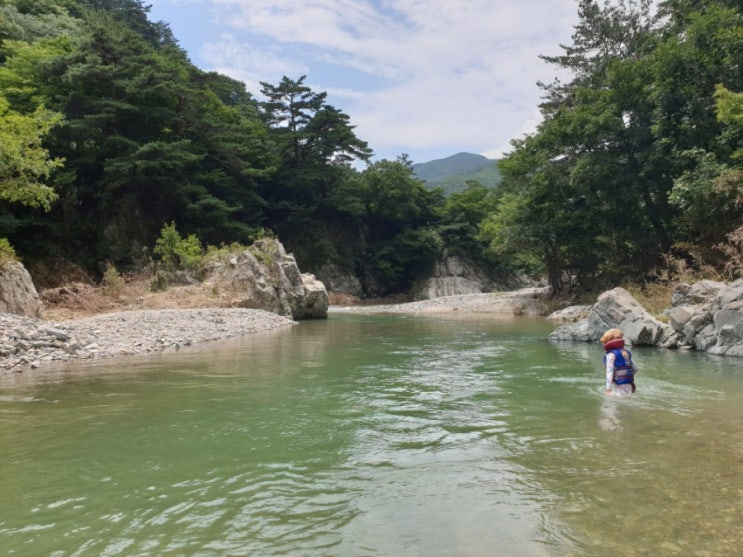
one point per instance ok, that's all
(452, 173)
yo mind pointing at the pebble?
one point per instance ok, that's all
(27, 343)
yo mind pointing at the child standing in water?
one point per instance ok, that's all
(620, 369)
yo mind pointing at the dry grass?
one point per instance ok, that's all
(78, 300)
(654, 297)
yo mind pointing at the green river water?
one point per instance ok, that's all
(372, 435)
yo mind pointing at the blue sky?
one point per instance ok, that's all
(430, 78)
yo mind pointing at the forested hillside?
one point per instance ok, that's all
(110, 137)
(440, 169)
(454, 173)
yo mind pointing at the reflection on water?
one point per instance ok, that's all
(379, 436)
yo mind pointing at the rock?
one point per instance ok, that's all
(705, 338)
(339, 281)
(313, 303)
(706, 316)
(699, 293)
(618, 309)
(265, 277)
(575, 331)
(570, 314)
(18, 294)
(453, 275)
(730, 293)
(709, 316)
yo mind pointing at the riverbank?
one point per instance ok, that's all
(28, 343)
(526, 301)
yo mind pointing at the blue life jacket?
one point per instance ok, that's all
(624, 372)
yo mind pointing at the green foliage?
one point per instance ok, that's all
(730, 112)
(395, 199)
(639, 152)
(159, 281)
(112, 282)
(222, 254)
(24, 162)
(315, 144)
(455, 165)
(489, 176)
(176, 253)
(709, 197)
(408, 256)
(7, 253)
(462, 216)
(145, 138)
(631, 157)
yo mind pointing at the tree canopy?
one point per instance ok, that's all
(635, 157)
(109, 135)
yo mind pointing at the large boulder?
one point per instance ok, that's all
(706, 316)
(617, 308)
(18, 294)
(265, 277)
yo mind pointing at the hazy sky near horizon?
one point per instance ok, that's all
(429, 78)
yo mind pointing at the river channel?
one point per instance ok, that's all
(374, 435)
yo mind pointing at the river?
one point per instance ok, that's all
(374, 435)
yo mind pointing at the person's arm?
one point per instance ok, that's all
(609, 371)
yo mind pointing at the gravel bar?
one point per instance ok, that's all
(525, 301)
(27, 343)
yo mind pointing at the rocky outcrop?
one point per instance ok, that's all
(453, 275)
(339, 281)
(706, 316)
(266, 277)
(617, 308)
(17, 291)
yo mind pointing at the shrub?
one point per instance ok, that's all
(733, 250)
(7, 253)
(177, 253)
(112, 282)
(159, 281)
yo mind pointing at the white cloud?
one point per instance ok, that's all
(413, 75)
(249, 64)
